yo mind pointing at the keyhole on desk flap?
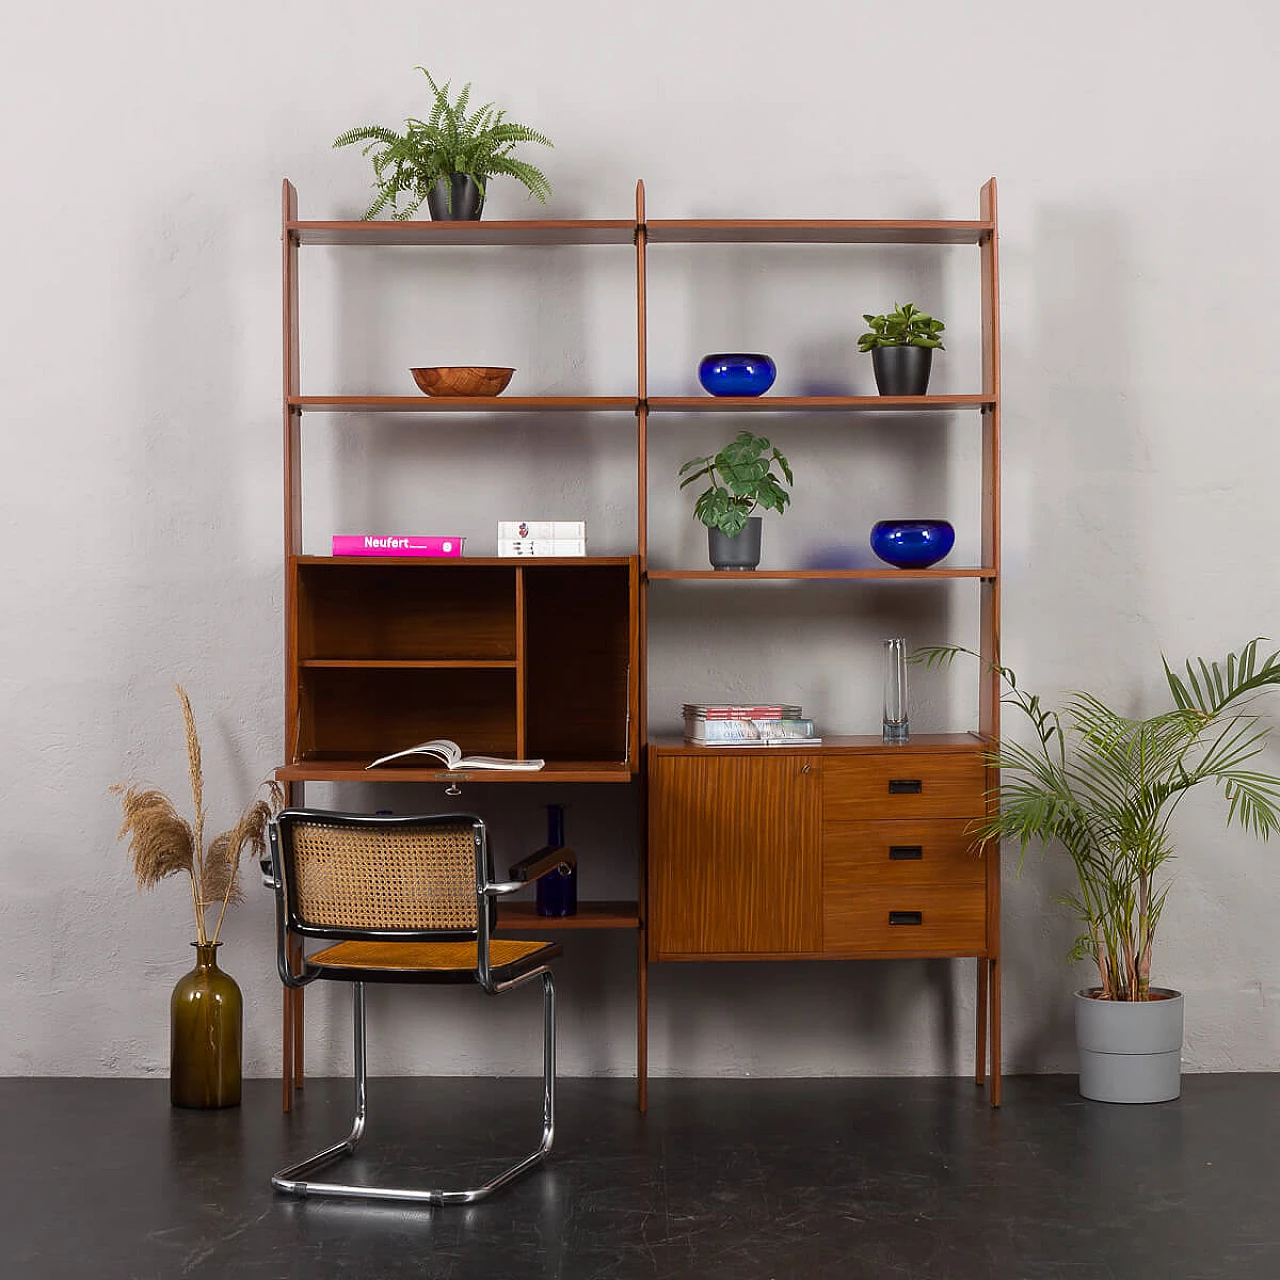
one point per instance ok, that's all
(804, 768)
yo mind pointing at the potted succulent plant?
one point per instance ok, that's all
(446, 159)
(1103, 788)
(742, 479)
(902, 344)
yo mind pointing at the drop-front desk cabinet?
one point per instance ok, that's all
(844, 850)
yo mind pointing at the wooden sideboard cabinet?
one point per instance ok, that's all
(848, 850)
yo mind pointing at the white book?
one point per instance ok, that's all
(450, 755)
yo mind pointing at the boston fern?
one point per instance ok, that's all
(451, 140)
(1104, 788)
(742, 478)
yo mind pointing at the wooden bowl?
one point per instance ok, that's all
(462, 380)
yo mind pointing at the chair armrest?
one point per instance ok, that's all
(537, 865)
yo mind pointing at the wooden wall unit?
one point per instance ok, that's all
(780, 853)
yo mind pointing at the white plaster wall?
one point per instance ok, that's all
(144, 146)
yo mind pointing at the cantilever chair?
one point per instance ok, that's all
(402, 899)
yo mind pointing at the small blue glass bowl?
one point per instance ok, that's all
(912, 544)
(736, 374)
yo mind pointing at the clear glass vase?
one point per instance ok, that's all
(896, 720)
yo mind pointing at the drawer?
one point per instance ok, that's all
(904, 785)
(925, 919)
(910, 852)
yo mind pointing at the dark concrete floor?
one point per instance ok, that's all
(731, 1179)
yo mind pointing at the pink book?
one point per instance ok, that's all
(371, 544)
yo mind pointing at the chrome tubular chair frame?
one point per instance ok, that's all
(281, 876)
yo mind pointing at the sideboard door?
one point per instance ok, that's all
(734, 854)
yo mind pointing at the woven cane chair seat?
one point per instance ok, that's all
(428, 961)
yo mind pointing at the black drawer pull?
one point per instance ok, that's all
(906, 917)
(906, 852)
(905, 786)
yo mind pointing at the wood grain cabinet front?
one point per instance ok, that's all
(789, 854)
(734, 863)
(905, 881)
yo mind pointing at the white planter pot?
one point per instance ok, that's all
(1130, 1051)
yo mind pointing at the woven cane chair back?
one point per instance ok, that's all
(348, 877)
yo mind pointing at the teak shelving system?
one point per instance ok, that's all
(849, 849)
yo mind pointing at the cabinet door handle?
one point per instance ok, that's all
(906, 852)
(906, 917)
(905, 786)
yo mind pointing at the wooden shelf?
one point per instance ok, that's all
(326, 770)
(525, 232)
(810, 404)
(806, 231)
(630, 405)
(591, 915)
(834, 575)
(530, 564)
(463, 404)
(410, 664)
(659, 231)
(834, 744)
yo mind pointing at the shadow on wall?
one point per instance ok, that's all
(797, 1018)
(1074, 520)
(1075, 510)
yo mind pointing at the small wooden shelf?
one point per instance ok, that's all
(590, 915)
(462, 562)
(822, 404)
(463, 404)
(521, 231)
(820, 231)
(409, 664)
(349, 770)
(844, 744)
(834, 575)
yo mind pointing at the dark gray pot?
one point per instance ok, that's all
(739, 552)
(1130, 1051)
(456, 198)
(902, 371)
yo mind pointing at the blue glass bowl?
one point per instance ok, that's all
(736, 374)
(912, 544)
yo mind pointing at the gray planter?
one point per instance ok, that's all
(742, 551)
(1130, 1051)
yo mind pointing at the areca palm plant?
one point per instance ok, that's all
(1104, 787)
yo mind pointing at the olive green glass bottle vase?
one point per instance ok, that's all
(206, 1016)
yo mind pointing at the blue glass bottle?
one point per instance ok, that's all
(557, 890)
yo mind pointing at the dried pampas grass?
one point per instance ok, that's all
(163, 843)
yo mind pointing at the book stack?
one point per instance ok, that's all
(731, 724)
(542, 537)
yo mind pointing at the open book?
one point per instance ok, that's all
(450, 755)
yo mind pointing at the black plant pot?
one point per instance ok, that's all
(742, 551)
(902, 371)
(456, 198)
